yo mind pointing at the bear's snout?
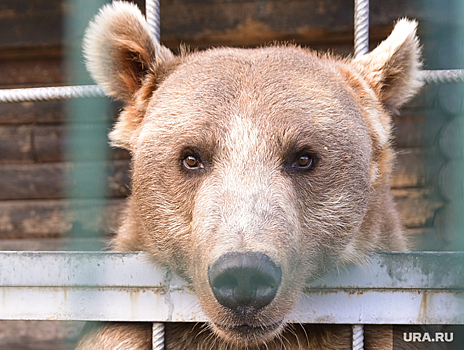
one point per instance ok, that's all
(244, 282)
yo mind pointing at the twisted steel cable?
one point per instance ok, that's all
(358, 337)
(50, 93)
(158, 336)
(361, 27)
(442, 76)
(153, 17)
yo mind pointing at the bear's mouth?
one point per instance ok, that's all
(248, 332)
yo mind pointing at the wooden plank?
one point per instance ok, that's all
(451, 139)
(54, 244)
(417, 129)
(450, 98)
(39, 23)
(39, 335)
(449, 222)
(50, 180)
(51, 218)
(451, 181)
(15, 144)
(59, 218)
(56, 112)
(213, 22)
(32, 112)
(417, 206)
(416, 167)
(429, 239)
(30, 23)
(52, 142)
(29, 72)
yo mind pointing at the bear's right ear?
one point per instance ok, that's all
(120, 51)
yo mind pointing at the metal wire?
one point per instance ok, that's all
(361, 27)
(153, 17)
(443, 76)
(358, 337)
(49, 93)
(158, 336)
(453, 76)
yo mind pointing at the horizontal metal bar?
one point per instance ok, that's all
(424, 270)
(151, 305)
(85, 91)
(392, 288)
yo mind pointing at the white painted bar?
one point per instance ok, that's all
(392, 288)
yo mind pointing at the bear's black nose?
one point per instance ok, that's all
(244, 280)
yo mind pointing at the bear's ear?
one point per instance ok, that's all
(393, 68)
(120, 51)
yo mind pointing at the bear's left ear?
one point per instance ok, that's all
(124, 59)
(120, 51)
(393, 68)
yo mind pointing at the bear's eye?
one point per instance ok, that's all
(192, 162)
(303, 162)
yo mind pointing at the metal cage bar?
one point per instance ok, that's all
(361, 27)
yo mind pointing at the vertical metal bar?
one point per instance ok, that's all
(361, 27)
(158, 336)
(358, 337)
(152, 9)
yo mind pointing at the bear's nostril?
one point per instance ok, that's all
(241, 280)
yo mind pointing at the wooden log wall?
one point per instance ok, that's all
(35, 161)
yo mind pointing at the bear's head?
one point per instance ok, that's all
(254, 170)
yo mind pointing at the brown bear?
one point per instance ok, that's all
(254, 172)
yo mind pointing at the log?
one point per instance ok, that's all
(427, 239)
(451, 139)
(28, 72)
(450, 97)
(55, 244)
(30, 23)
(39, 335)
(57, 112)
(39, 23)
(416, 167)
(33, 112)
(417, 128)
(15, 144)
(52, 218)
(417, 206)
(49, 140)
(449, 222)
(52, 143)
(451, 181)
(51, 180)
(79, 218)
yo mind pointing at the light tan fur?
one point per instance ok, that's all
(248, 116)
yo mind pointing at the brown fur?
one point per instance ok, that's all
(247, 116)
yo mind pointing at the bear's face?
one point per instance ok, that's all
(253, 170)
(254, 152)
